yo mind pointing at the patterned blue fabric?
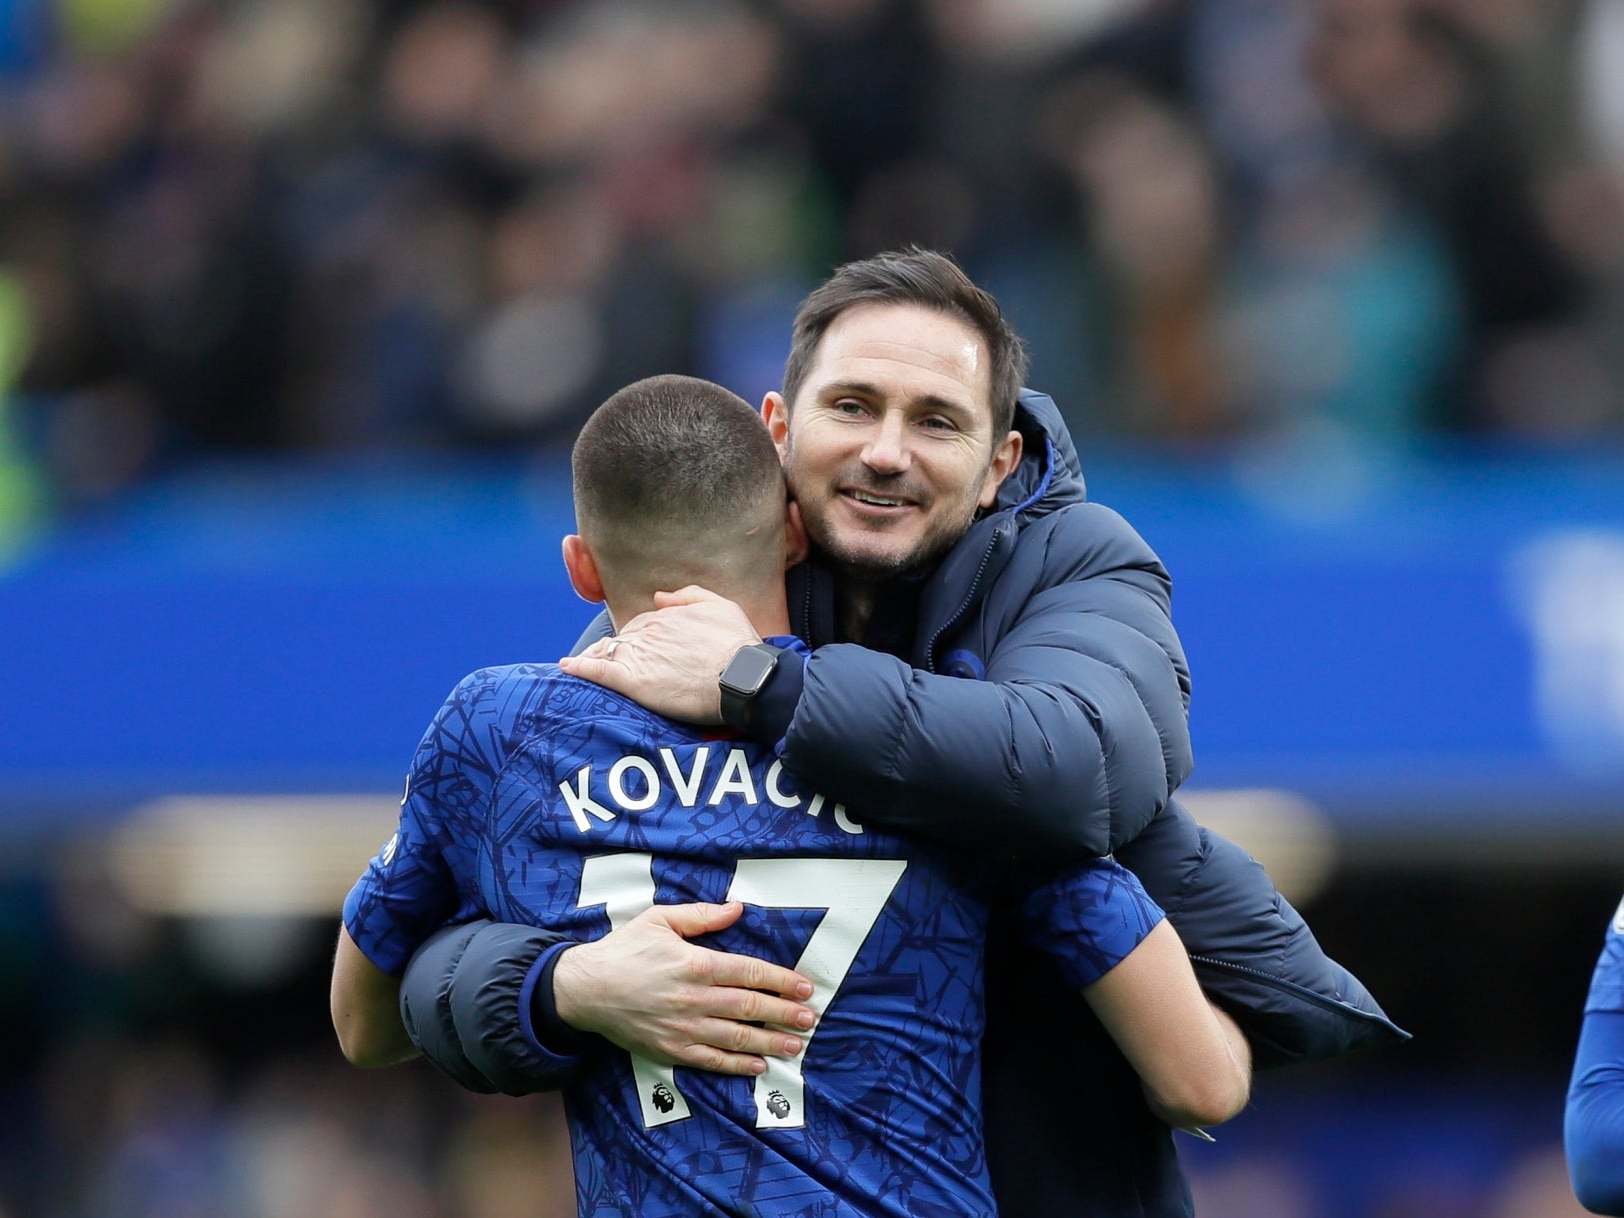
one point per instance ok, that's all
(1593, 1128)
(540, 799)
(1607, 982)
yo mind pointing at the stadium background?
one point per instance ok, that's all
(301, 300)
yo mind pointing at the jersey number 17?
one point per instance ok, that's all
(850, 891)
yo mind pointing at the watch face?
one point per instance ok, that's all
(748, 671)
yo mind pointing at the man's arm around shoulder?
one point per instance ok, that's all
(1072, 741)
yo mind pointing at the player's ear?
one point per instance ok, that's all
(775, 413)
(1004, 460)
(795, 544)
(583, 570)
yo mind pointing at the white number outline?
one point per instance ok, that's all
(851, 892)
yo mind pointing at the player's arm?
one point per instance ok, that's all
(407, 891)
(1593, 1125)
(1193, 1062)
(1071, 743)
(1114, 945)
(365, 1004)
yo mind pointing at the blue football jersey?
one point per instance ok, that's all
(1607, 982)
(543, 799)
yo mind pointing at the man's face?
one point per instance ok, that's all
(889, 449)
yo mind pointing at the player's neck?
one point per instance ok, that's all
(767, 609)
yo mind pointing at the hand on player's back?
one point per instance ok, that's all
(670, 659)
(648, 990)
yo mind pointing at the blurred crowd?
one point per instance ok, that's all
(138, 1129)
(143, 1130)
(254, 225)
(330, 223)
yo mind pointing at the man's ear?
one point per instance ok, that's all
(775, 413)
(795, 543)
(1004, 461)
(583, 570)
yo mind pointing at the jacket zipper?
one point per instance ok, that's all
(806, 614)
(1280, 983)
(969, 599)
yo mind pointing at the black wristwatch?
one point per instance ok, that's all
(743, 678)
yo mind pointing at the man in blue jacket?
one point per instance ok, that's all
(994, 667)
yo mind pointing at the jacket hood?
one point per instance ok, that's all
(1048, 478)
(1049, 475)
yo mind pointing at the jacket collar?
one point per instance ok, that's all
(1049, 475)
(1048, 478)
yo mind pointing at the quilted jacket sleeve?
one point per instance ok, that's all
(467, 1003)
(1253, 953)
(1072, 742)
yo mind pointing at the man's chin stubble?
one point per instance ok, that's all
(875, 569)
(864, 567)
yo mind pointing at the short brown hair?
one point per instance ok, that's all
(920, 277)
(670, 473)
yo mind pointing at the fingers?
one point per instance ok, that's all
(719, 1061)
(639, 623)
(693, 594)
(607, 673)
(746, 972)
(752, 1006)
(603, 649)
(699, 918)
(723, 969)
(726, 1036)
(726, 1047)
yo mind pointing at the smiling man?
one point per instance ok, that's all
(893, 454)
(993, 668)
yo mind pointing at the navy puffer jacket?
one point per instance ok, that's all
(1076, 732)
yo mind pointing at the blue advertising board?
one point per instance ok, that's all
(1440, 636)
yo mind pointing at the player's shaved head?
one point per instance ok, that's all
(677, 482)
